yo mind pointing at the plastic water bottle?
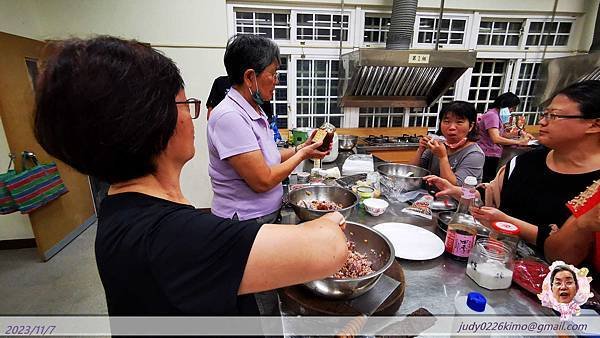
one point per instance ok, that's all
(474, 303)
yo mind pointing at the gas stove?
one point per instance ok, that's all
(380, 141)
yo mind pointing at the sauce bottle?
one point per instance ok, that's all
(462, 231)
(325, 133)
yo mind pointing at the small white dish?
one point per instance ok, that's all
(375, 206)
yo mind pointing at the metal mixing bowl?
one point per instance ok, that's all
(383, 256)
(395, 180)
(347, 142)
(343, 196)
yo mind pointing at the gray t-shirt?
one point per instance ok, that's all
(465, 162)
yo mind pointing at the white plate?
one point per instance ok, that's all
(412, 242)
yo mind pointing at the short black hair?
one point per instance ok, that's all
(506, 100)
(106, 106)
(563, 268)
(462, 109)
(587, 95)
(248, 52)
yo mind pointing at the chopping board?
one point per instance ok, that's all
(299, 299)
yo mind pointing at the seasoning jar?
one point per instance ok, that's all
(315, 175)
(507, 233)
(325, 133)
(491, 264)
(303, 177)
(364, 192)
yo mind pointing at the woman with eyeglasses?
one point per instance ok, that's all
(118, 110)
(492, 135)
(532, 190)
(245, 166)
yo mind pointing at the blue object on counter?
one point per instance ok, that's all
(476, 301)
(273, 125)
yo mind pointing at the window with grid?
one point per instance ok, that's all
(499, 33)
(486, 82)
(452, 31)
(548, 33)
(376, 28)
(316, 93)
(323, 27)
(381, 117)
(280, 101)
(271, 25)
(422, 117)
(525, 90)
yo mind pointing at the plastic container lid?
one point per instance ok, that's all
(471, 180)
(476, 301)
(506, 228)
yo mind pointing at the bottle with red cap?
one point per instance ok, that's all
(506, 233)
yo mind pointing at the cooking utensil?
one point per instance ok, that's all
(370, 301)
(443, 204)
(412, 242)
(297, 198)
(397, 178)
(378, 249)
(347, 142)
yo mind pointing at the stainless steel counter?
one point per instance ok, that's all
(435, 283)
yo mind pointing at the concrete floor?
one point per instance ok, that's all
(68, 284)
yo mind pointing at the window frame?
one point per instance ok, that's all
(451, 16)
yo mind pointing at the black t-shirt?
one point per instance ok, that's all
(157, 257)
(219, 90)
(538, 195)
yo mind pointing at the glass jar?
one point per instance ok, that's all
(325, 133)
(491, 264)
(506, 233)
(364, 192)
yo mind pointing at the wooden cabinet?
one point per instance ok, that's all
(395, 156)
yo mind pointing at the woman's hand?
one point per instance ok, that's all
(446, 188)
(337, 218)
(310, 150)
(423, 143)
(487, 215)
(438, 148)
(523, 142)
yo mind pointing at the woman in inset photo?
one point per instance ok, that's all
(564, 284)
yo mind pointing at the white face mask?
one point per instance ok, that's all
(504, 115)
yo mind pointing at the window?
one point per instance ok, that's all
(486, 83)
(381, 117)
(499, 33)
(324, 27)
(548, 33)
(525, 90)
(279, 102)
(436, 108)
(376, 28)
(271, 25)
(452, 31)
(316, 93)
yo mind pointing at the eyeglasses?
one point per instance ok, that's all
(193, 106)
(552, 116)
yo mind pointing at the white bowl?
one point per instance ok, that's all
(375, 206)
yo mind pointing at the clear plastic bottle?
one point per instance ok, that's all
(462, 232)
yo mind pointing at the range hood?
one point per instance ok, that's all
(398, 76)
(557, 74)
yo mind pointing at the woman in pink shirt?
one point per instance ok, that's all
(491, 132)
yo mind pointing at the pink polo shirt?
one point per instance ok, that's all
(234, 128)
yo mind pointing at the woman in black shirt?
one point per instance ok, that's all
(117, 110)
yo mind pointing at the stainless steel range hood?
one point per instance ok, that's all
(557, 74)
(397, 76)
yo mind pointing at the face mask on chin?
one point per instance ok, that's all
(256, 97)
(457, 144)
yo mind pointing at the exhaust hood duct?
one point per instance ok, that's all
(556, 74)
(401, 24)
(397, 76)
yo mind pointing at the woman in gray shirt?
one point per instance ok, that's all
(456, 155)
